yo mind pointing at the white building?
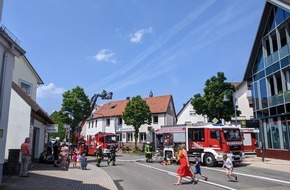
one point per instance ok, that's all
(188, 115)
(26, 117)
(108, 118)
(8, 51)
(243, 97)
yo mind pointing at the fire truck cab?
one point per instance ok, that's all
(209, 142)
(105, 140)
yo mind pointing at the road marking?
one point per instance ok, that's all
(187, 179)
(254, 176)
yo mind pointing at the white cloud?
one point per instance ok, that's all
(137, 36)
(106, 56)
(49, 90)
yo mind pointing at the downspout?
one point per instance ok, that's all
(2, 79)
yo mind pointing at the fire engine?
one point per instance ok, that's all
(207, 141)
(250, 139)
(105, 140)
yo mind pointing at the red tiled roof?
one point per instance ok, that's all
(158, 104)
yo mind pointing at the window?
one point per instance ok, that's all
(120, 121)
(107, 122)
(142, 137)
(155, 119)
(192, 113)
(26, 87)
(196, 134)
(129, 137)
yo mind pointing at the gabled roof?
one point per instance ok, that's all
(39, 80)
(184, 106)
(37, 112)
(158, 104)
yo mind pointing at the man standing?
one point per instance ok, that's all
(112, 157)
(99, 154)
(148, 152)
(25, 157)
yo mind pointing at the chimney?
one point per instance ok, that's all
(150, 94)
(128, 98)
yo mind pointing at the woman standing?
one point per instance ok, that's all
(184, 167)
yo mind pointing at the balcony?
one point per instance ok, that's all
(276, 99)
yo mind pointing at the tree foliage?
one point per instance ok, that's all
(58, 119)
(75, 107)
(137, 113)
(211, 103)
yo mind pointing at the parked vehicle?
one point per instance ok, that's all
(105, 140)
(205, 140)
(250, 139)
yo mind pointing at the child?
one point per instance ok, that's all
(74, 158)
(197, 169)
(84, 162)
(78, 165)
(228, 164)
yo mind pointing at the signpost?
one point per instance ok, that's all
(53, 128)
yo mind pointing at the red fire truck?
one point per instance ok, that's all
(105, 140)
(207, 141)
(250, 139)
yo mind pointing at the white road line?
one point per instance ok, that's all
(254, 176)
(187, 179)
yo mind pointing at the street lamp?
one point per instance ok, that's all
(104, 95)
(234, 102)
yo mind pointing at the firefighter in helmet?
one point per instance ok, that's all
(148, 152)
(112, 155)
(99, 154)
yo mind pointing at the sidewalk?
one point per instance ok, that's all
(269, 163)
(47, 177)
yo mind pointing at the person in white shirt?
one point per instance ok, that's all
(228, 165)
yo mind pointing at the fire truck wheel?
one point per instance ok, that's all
(209, 160)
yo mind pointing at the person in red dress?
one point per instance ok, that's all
(184, 169)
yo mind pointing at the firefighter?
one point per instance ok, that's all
(148, 152)
(99, 154)
(112, 156)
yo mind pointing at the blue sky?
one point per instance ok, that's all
(130, 47)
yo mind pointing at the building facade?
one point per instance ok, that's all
(9, 49)
(108, 118)
(188, 115)
(26, 117)
(268, 73)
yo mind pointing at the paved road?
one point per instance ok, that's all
(130, 174)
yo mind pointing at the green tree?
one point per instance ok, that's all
(211, 103)
(137, 113)
(58, 118)
(75, 107)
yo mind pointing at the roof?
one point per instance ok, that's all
(37, 112)
(158, 104)
(184, 106)
(39, 80)
(283, 4)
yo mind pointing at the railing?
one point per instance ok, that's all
(10, 34)
(287, 96)
(276, 99)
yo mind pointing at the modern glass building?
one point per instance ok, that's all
(268, 73)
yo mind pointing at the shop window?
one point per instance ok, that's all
(130, 137)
